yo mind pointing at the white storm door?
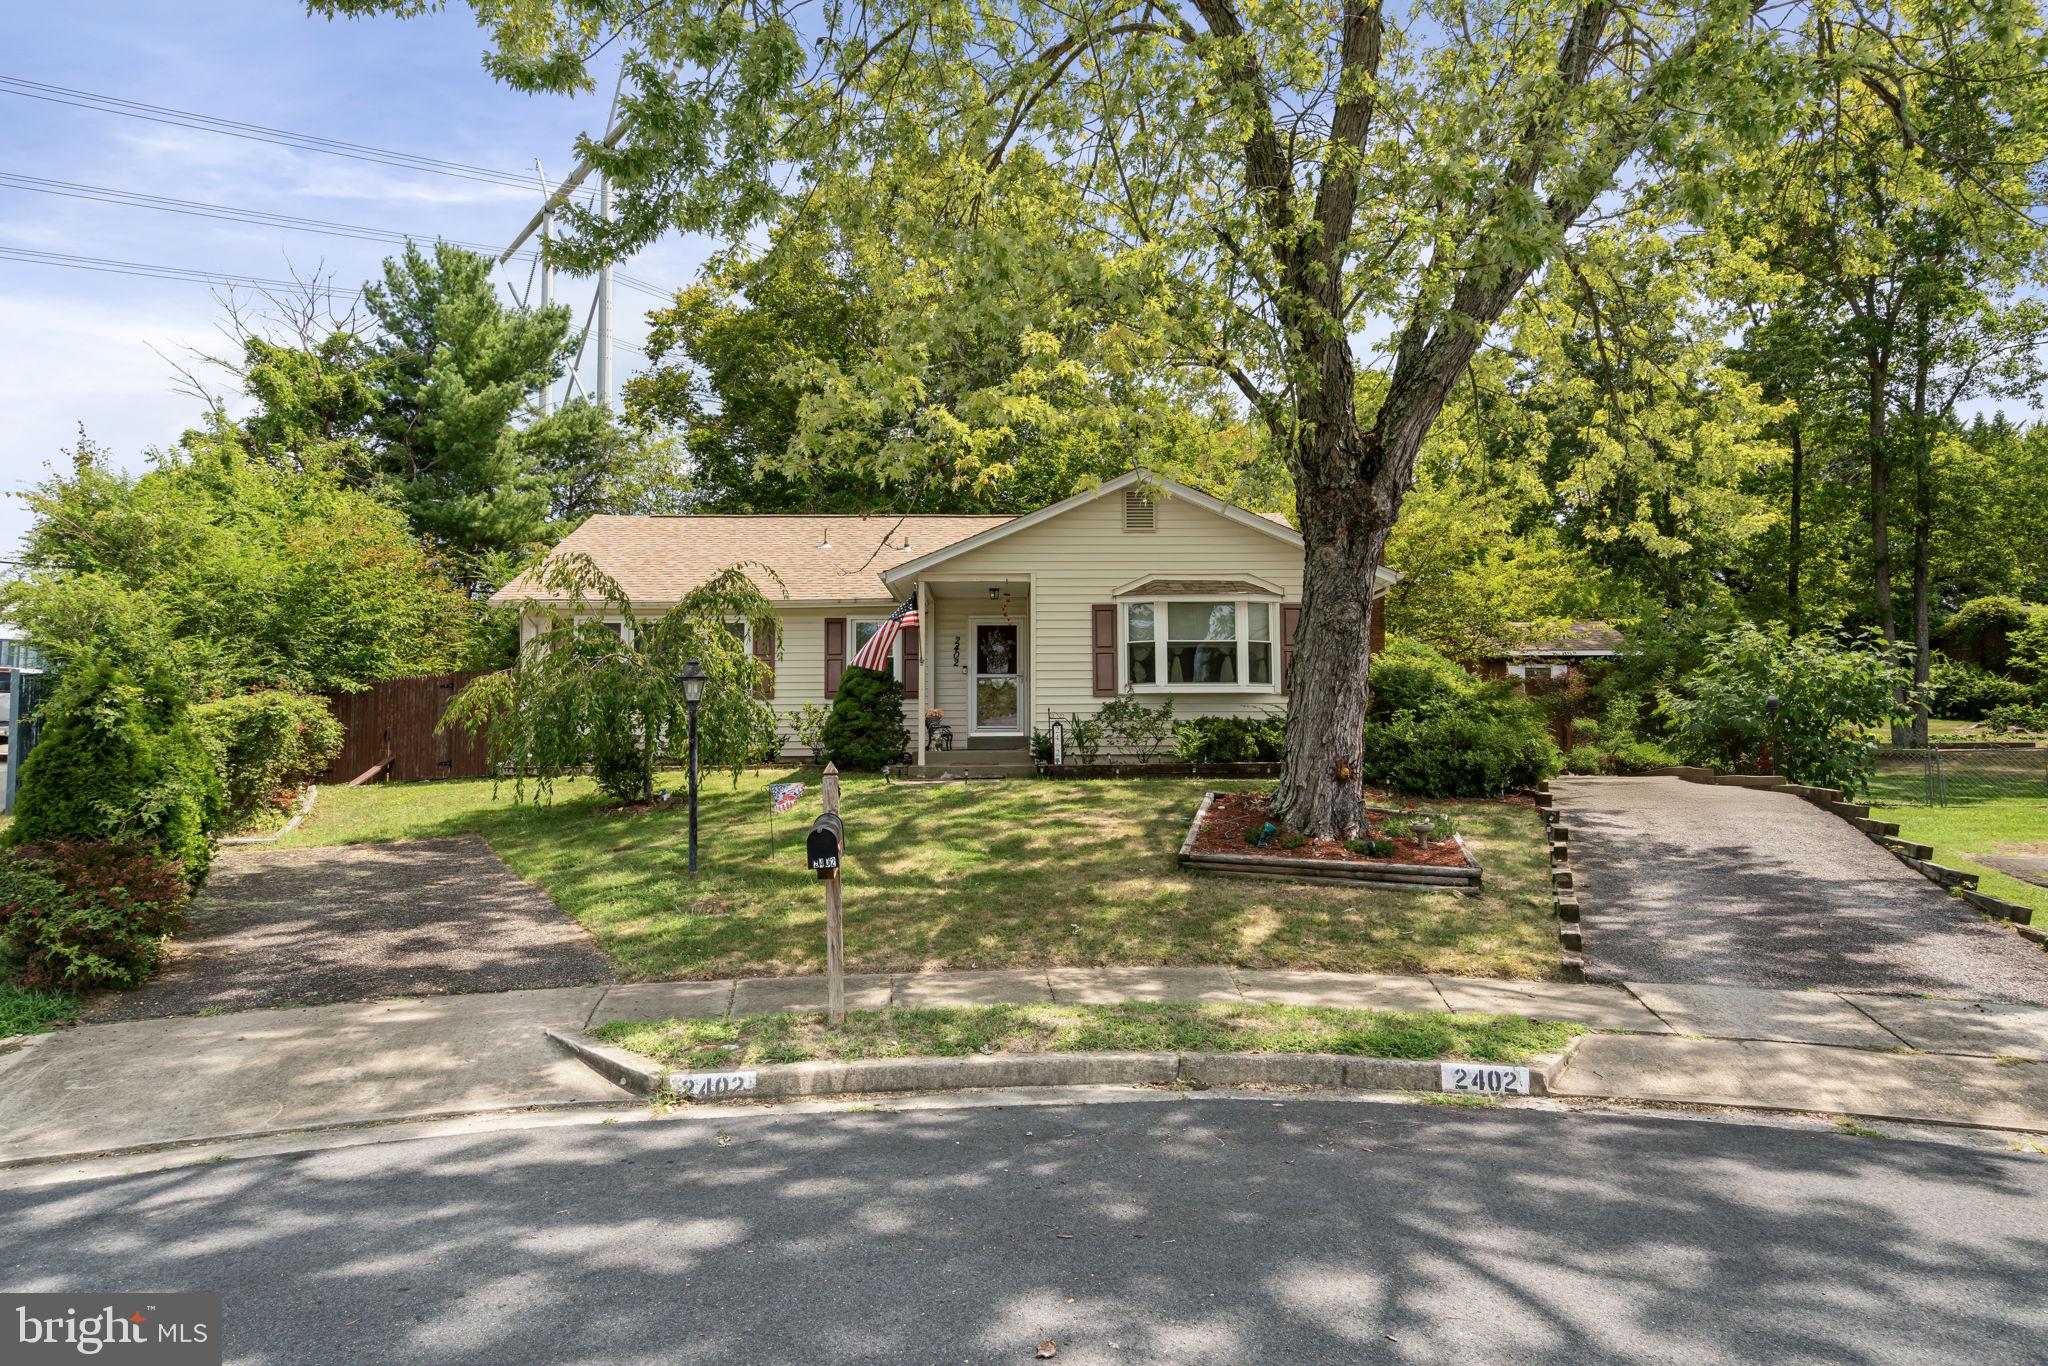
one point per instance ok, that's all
(995, 697)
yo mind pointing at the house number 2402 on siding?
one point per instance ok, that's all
(1478, 1079)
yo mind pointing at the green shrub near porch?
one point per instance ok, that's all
(865, 731)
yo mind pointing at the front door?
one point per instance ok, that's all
(996, 702)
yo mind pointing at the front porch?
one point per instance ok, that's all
(974, 669)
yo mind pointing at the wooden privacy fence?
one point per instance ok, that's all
(391, 725)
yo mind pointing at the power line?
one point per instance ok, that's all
(194, 208)
(153, 271)
(256, 132)
(150, 270)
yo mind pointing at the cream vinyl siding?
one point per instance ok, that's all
(799, 660)
(1081, 558)
(800, 663)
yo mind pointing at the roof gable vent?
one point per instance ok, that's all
(1138, 511)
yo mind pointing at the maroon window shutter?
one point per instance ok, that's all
(1290, 622)
(909, 639)
(1104, 648)
(764, 650)
(1376, 634)
(835, 653)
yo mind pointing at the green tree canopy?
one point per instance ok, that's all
(233, 572)
(837, 371)
(1291, 197)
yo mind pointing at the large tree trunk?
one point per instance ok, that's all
(1348, 487)
(1345, 519)
(1923, 533)
(1797, 530)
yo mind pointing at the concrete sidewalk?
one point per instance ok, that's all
(119, 1087)
(139, 1084)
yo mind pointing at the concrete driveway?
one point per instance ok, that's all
(297, 927)
(1687, 883)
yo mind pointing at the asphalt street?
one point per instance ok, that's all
(1210, 1228)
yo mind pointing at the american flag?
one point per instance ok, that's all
(785, 796)
(877, 652)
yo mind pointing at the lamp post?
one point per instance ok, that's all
(693, 679)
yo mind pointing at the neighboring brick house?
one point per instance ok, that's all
(1141, 584)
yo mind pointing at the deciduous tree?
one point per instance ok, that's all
(1304, 191)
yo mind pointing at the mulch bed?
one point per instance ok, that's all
(1234, 814)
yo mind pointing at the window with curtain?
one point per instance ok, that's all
(1225, 643)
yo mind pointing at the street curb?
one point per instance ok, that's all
(868, 1075)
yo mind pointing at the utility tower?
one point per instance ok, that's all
(543, 222)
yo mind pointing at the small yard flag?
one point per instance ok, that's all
(785, 796)
(877, 652)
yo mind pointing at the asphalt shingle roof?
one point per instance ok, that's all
(656, 560)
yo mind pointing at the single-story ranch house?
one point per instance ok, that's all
(1141, 584)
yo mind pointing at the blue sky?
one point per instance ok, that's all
(77, 346)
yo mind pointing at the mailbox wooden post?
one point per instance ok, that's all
(835, 926)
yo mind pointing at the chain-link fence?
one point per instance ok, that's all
(1958, 774)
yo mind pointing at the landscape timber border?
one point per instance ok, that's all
(1467, 877)
(1564, 894)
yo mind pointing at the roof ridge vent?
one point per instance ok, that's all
(1139, 511)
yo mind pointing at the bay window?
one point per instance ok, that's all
(1190, 643)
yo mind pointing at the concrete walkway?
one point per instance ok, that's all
(1731, 886)
(127, 1086)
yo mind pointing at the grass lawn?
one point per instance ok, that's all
(956, 1032)
(2014, 825)
(25, 1010)
(974, 875)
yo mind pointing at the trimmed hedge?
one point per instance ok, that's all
(1459, 753)
(865, 729)
(1436, 731)
(266, 743)
(81, 914)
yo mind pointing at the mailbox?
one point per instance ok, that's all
(822, 848)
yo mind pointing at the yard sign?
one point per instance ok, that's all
(781, 797)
